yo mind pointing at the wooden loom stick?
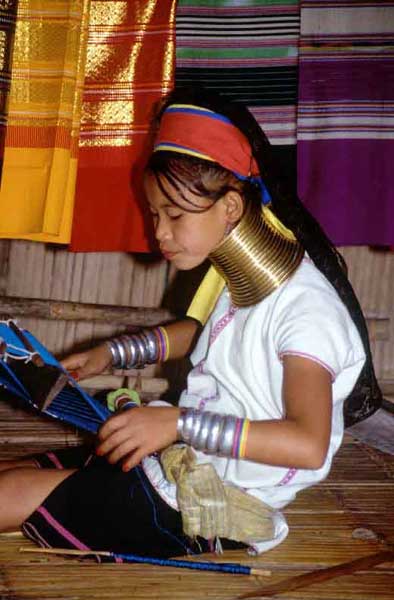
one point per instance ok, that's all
(170, 562)
(299, 581)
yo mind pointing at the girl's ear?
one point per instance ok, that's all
(234, 206)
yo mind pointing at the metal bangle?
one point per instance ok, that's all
(205, 428)
(209, 432)
(135, 350)
(114, 353)
(185, 424)
(197, 422)
(214, 434)
(142, 353)
(180, 423)
(152, 346)
(124, 342)
(227, 436)
(130, 351)
(117, 345)
(122, 354)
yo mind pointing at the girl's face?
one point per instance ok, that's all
(185, 238)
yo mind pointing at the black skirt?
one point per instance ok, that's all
(99, 507)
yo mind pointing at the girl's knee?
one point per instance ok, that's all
(23, 490)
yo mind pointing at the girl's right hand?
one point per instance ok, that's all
(88, 364)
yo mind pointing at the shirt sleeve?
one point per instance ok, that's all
(316, 325)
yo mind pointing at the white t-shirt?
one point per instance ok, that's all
(238, 370)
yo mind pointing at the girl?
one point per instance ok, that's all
(282, 363)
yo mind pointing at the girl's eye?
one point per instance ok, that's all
(175, 216)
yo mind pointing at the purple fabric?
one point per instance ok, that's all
(349, 188)
(345, 119)
(371, 80)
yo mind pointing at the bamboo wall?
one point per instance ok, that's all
(32, 270)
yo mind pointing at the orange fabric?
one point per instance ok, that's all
(7, 33)
(130, 66)
(41, 144)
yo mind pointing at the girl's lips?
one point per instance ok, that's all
(168, 255)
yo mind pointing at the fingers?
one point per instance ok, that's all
(120, 440)
(133, 459)
(72, 362)
(116, 437)
(135, 433)
(87, 364)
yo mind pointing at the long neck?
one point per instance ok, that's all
(256, 257)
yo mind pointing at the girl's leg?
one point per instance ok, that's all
(23, 489)
(6, 465)
(74, 457)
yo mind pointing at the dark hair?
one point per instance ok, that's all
(200, 177)
(366, 396)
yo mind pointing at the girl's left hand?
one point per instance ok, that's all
(131, 435)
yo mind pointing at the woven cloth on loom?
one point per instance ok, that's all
(346, 117)
(38, 180)
(129, 68)
(7, 31)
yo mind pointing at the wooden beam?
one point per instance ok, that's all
(10, 307)
(76, 311)
(148, 385)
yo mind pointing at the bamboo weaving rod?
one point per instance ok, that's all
(233, 568)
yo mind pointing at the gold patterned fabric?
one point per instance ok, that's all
(40, 159)
(85, 77)
(7, 29)
(130, 66)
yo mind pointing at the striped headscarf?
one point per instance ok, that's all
(203, 133)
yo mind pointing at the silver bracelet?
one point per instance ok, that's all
(226, 438)
(136, 350)
(213, 433)
(122, 355)
(114, 352)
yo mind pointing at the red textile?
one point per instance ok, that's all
(130, 66)
(203, 133)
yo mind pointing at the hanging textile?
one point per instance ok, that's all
(7, 30)
(129, 68)
(248, 51)
(346, 117)
(37, 191)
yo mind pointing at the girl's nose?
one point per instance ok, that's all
(163, 229)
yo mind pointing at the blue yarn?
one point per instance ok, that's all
(185, 564)
(155, 520)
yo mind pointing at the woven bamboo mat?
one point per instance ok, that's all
(346, 517)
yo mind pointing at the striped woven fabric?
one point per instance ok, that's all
(7, 31)
(246, 50)
(130, 66)
(346, 118)
(38, 179)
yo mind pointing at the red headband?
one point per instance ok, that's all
(208, 135)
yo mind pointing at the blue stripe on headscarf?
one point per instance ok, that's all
(265, 195)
